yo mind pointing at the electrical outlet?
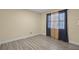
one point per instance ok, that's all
(30, 32)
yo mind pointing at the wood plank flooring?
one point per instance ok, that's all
(39, 42)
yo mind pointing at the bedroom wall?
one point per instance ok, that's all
(73, 26)
(17, 24)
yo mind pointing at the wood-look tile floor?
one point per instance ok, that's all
(39, 42)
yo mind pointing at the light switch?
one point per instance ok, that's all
(78, 22)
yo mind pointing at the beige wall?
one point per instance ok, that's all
(18, 23)
(43, 23)
(73, 27)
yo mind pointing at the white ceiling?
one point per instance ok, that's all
(40, 10)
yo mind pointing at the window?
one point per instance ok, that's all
(62, 20)
(49, 21)
(57, 20)
(54, 21)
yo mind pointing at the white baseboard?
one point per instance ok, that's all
(23, 37)
(72, 42)
(17, 38)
